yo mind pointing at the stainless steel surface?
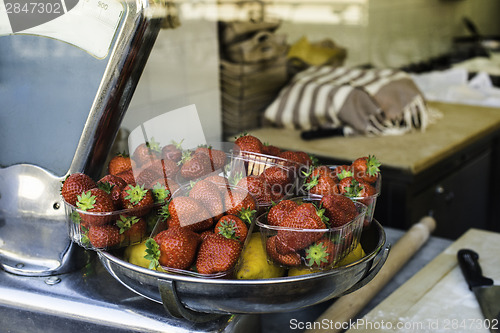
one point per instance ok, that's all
(225, 296)
(90, 300)
(33, 232)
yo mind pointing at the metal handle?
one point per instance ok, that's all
(175, 308)
(469, 264)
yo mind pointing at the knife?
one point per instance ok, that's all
(488, 295)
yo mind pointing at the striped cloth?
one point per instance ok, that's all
(372, 102)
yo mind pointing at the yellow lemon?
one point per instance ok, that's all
(254, 264)
(134, 254)
(353, 256)
(295, 271)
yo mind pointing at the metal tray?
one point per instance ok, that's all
(199, 299)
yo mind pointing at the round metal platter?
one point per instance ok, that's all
(196, 298)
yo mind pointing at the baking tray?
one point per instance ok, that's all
(199, 299)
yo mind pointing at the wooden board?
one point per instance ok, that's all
(437, 298)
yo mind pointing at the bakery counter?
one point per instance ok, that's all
(446, 171)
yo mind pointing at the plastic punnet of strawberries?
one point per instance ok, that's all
(361, 181)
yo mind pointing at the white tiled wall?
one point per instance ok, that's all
(183, 67)
(182, 70)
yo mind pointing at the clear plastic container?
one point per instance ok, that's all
(297, 248)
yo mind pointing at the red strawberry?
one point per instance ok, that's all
(366, 168)
(304, 158)
(271, 150)
(217, 254)
(113, 185)
(147, 176)
(127, 176)
(278, 212)
(177, 247)
(237, 199)
(165, 168)
(133, 228)
(278, 179)
(294, 160)
(104, 236)
(120, 163)
(188, 213)
(221, 182)
(163, 189)
(304, 216)
(321, 181)
(209, 195)
(353, 188)
(233, 227)
(257, 187)
(195, 166)
(217, 157)
(249, 143)
(146, 152)
(95, 201)
(74, 185)
(172, 152)
(322, 253)
(291, 259)
(339, 209)
(137, 198)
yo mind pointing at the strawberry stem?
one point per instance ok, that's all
(152, 253)
(136, 194)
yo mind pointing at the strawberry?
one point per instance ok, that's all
(209, 195)
(290, 259)
(188, 213)
(233, 227)
(128, 177)
(339, 209)
(113, 185)
(366, 168)
(104, 236)
(217, 254)
(278, 212)
(249, 143)
(138, 199)
(320, 180)
(305, 216)
(132, 228)
(237, 200)
(257, 187)
(221, 182)
(195, 166)
(147, 176)
(165, 168)
(294, 160)
(172, 151)
(271, 150)
(74, 185)
(304, 158)
(322, 253)
(119, 163)
(353, 188)
(177, 247)
(163, 189)
(95, 201)
(278, 179)
(217, 157)
(146, 152)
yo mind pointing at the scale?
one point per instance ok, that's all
(68, 70)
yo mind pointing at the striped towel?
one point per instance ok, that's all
(372, 102)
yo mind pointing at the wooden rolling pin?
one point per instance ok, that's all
(347, 307)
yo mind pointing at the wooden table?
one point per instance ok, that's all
(450, 170)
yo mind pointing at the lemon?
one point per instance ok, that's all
(295, 271)
(254, 264)
(353, 256)
(134, 254)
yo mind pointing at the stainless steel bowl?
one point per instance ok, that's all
(199, 299)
